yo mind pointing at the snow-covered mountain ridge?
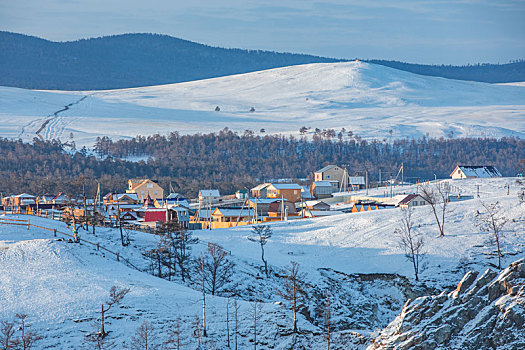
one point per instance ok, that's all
(371, 100)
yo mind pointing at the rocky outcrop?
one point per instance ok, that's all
(483, 312)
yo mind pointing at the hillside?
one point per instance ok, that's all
(131, 60)
(372, 101)
(354, 258)
(124, 61)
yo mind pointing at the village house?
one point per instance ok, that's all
(121, 198)
(412, 200)
(144, 188)
(329, 173)
(179, 215)
(314, 205)
(233, 214)
(58, 199)
(291, 192)
(322, 189)
(260, 191)
(474, 171)
(271, 206)
(209, 197)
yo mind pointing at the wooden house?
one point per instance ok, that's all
(144, 188)
(474, 171)
(260, 191)
(329, 173)
(412, 200)
(322, 189)
(291, 192)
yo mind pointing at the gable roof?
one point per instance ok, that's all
(209, 193)
(483, 171)
(234, 212)
(326, 168)
(286, 186)
(322, 184)
(260, 187)
(408, 199)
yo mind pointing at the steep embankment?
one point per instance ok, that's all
(485, 312)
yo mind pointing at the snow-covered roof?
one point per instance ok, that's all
(24, 195)
(260, 187)
(483, 171)
(326, 168)
(322, 184)
(234, 212)
(286, 186)
(209, 193)
(265, 200)
(408, 199)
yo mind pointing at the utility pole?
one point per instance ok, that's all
(366, 180)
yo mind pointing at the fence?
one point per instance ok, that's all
(27, 223)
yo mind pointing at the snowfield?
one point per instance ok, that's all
(355, 258)
(368, 99)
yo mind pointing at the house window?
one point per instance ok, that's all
(327, 176)
(149, 185)
(142, 192)
(155, 192)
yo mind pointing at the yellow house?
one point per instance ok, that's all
(144, 188)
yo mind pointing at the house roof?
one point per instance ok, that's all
(286, 186)
(260, 187)
(266, 200)
(322, 184)
(24, 195)
(209, 193)
(326, 168)
(234, 212)
(483, 171)
(408, 199)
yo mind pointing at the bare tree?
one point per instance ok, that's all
(294, 290)
(492, 220)
(327, 318)
(521, 190)
(261, 234)
(411, 241)
(218, 269)
(201, 272)
(28, 338)
(197, 331)
(228, 322)
(437, 197)
(174, 337)
(7, 338)
(144, 337)
(97, 342)
(257, 314)
(115, 297)
(182, 244)
(236, 307)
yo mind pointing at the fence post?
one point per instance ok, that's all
(118, 258)
(28, 224)
(55, 232)
(98, 247)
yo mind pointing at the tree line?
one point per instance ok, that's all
(230, 161)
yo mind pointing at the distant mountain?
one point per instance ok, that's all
(127, 60)
(485, 72)
(132, 60)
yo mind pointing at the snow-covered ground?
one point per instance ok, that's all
(368, 99)
(61, 285)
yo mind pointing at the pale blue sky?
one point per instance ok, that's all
(424, 31)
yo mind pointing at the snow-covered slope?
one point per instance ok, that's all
(368, 99)
(355, 258)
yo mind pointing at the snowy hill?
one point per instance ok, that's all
(370, 100)
(354, 258)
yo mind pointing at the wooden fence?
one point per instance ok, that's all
(97, 246)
